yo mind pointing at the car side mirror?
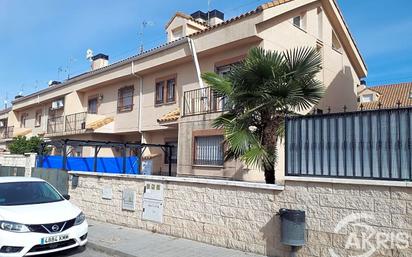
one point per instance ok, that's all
(67, 197)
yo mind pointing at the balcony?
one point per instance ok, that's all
(68, 124)
(6, 132)
(203, 101)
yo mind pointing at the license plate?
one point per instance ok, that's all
(53, 239)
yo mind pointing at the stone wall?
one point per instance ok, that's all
(243, 216)
(27, 161)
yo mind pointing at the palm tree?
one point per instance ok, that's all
(259, 93)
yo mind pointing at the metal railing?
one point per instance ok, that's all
(362, 145)
(6, 132)
(75, 122)
(69, 123)
(55, 125)
(201, 101)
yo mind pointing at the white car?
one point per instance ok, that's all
(36, 219)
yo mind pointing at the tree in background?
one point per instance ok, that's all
(22, 145)
(260, 92)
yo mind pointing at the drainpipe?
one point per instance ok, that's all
(140, 97)
(196, 61)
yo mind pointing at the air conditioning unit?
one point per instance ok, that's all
(57, 104)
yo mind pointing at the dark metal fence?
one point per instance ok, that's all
(365, 145)
(201, 101)
(55, 125)
(6, 132)
(69, 123)
(75, 122)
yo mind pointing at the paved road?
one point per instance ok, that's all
(82, 252)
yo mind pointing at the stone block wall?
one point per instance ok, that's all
(27, 161)
(244, 218)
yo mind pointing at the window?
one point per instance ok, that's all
(335, 42)
(165, 91)
(159, 92)
(38, 118)
(23, 120)
(208, 150)
(171, 90)
(92, 105)
(367, 98)
(177, 33)
(300, 21)
(58, 104)
(224, 70)
(174, 152)
(125, 99)
(3, 123)
(297, 21)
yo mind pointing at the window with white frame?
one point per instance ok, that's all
(367, 98)
(208, 150)
(300, 21)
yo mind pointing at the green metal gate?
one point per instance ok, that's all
(58, 178)
(6, 171)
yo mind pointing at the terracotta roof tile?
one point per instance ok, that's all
(390, 95)
(170, 116)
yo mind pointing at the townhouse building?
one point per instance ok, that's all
(158, 96)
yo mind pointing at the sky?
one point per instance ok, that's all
(43, 40)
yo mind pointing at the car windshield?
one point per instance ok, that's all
(22, 193)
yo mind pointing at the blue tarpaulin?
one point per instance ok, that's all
(104, 164)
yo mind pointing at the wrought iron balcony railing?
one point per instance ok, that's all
(202, 101)
(6, 132)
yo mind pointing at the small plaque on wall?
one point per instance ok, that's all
(129, 200)
(107, 193)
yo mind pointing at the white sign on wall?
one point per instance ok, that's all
(129, 200)
(153, 202)
(152, 210)
(107, 193)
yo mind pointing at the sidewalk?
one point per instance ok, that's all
(125, 242)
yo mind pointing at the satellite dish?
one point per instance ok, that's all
(89, 54)
(50, 82)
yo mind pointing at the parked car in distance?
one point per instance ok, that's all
(36, 219)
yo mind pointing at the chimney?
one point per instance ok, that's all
(361, 86)
(53, 83)
(216, 17)
(99, 61)
(211, 18)
(199, 16)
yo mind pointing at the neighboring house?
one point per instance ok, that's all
(6, 131)
(385, 96)
(158, 97)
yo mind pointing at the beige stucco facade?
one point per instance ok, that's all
(271, 28)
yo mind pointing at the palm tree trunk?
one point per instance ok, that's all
(269, 141)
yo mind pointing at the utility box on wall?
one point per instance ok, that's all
(153, 201)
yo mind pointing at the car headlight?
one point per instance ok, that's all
(13, 227)
(80, 219)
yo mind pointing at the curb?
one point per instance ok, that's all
(108, 250)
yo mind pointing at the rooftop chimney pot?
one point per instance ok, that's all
(99, 61)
